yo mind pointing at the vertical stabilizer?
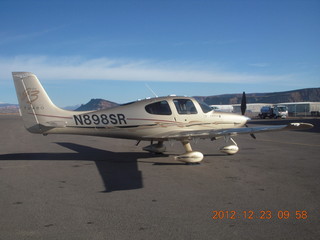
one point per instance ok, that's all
(36, 108)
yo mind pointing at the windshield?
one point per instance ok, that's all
(185, 106)
(205, 108)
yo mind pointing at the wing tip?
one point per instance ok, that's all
(299, 126)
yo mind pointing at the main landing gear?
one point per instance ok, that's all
(157, 148)
(190, 157)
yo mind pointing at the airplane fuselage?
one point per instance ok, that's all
(145, 119)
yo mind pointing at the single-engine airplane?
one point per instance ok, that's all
(157, 119)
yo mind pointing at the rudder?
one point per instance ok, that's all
(36, 108)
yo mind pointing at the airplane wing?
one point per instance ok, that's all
(180, 135)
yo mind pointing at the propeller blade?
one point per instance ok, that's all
(243, 103)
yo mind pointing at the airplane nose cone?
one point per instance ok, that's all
(245, 119)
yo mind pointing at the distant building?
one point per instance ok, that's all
(294, 108)
(222, 108)
(253, 109)
(303, 108)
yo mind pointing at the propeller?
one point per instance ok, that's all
(243, 103)
(244, 108)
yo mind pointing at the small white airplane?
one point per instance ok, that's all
(157, 119)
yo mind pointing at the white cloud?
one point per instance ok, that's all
(77, 68)
(7, 38)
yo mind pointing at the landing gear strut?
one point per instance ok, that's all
(156, 148)
(190, 156)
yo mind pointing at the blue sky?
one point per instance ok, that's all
(111, 49)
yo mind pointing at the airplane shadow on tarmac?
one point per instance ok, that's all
(119, 171)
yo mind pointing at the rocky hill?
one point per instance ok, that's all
(96, 104)
(301, 95)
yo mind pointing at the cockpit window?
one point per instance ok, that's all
(205, 108)
(159, 108)
(185, 106)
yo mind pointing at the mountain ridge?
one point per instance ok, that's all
(299, 95)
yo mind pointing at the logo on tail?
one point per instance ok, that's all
(30, 95)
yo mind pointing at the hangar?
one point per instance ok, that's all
(253, 109)
(295, 109)
(302, 108)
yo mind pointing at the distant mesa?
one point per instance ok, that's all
(72, 108)
(96, 104)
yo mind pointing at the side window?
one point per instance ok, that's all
(185, 106)
(159, 108)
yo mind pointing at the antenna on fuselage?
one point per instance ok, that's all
(151, 90)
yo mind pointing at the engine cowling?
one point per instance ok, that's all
(230, 150)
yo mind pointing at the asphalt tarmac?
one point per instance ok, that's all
(81, 187)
